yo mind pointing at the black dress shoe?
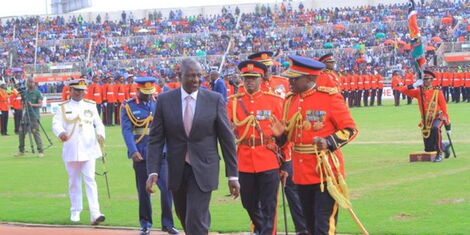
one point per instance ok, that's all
(144, 231)
(170, 230)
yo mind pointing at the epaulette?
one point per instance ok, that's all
(238, 95)
(329, 90)
(128, 100)
(89, 101)
(64, 102)
(272, 94)
(289, 94)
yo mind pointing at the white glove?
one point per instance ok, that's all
(418, 83)
(449, 132)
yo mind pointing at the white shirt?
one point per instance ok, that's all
(82, 144)
(184, 94)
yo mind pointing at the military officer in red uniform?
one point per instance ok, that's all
(95, 93)
(360, 88)
(120, 92)
(271, 83)
(409, 79)
(346, 86)
(397, 82)
(280, 86)
(315, 120)
(130, 87)
(258, 163)
(352, 89)
(373, 89)
(380, 88)
(328, 77)
(109, 99)
(435, 113)
(66, 92)
(367, 86)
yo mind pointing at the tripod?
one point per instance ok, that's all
(28, 125)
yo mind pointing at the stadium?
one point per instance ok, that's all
(394, 187)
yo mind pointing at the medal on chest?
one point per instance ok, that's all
(314, 119)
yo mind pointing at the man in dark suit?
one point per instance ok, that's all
(191, 121)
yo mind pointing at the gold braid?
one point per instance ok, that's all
(74, 121)
(248, 121)
(139, 123)
(294, 121)
(335, 184)
(430, 115)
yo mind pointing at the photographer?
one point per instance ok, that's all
(32, 102)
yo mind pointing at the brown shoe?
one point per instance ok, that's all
(40, 155)
(19, 154)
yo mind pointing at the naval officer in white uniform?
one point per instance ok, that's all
(78, 125)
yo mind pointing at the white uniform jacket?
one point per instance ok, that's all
(82, 144)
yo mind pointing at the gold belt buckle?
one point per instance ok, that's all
(252, 142)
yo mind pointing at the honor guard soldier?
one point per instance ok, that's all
(408, 81)
(109, 100)
(136, 117)
(66, 91)
(258, 156)
(271, 83)
(328, 77)
(315, 120)
(397, 83)
(95, 93)
(120, 92)
(78, 125)
(373, 88)
(380, 88)
(131, 87)
(352, 89)
(435, 114)
(367, 86)
(280, 85)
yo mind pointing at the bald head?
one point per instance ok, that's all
(189, 63)
(190, 74)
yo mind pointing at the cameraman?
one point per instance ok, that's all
(32, 101)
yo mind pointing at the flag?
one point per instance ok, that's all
(417, 47)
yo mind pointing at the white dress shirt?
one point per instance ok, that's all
(185, 94)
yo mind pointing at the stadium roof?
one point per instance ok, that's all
(38, 7)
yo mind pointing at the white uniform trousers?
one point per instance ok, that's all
(87, 169)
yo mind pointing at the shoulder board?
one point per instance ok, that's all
(329, 90)
(129, 100)
(238, 95)
(289, 94)
(64, 102)
(272, 94)
(89, 101)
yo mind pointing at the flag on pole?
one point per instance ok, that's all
(417, 47)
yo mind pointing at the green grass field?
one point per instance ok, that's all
(390, 195)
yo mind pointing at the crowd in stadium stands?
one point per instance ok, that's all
(368, 37)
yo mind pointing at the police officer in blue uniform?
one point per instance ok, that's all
(136, 117)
